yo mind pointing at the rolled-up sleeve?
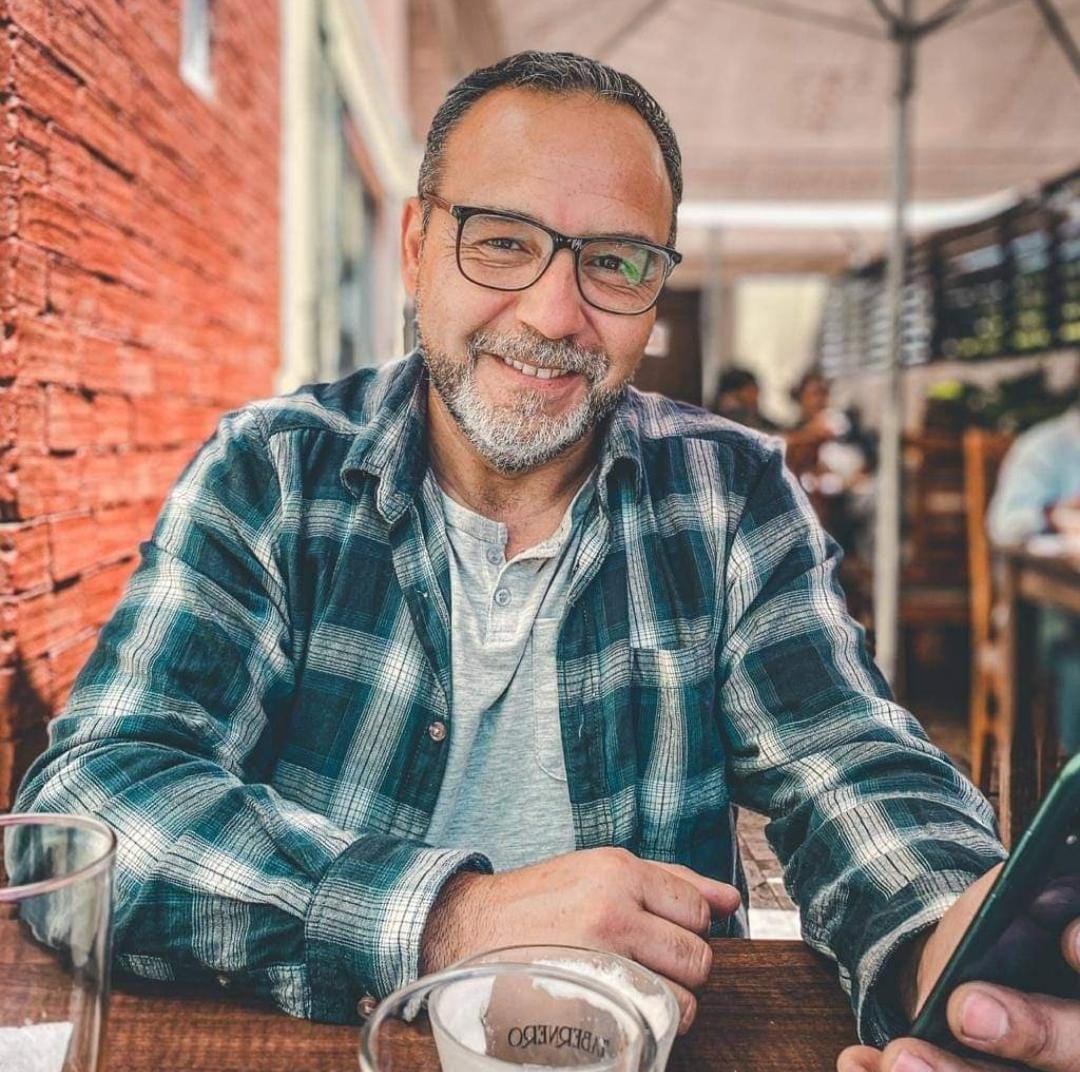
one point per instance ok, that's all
(877, 830)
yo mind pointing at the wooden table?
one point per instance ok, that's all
(768, 1007)
(1032, 582)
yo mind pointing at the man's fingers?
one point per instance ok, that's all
(1070, 944)
(668, 895)
(914, 1055)
(687, 1005)
(859, 1059)
(1031, 1029)
(723, 898)
(671, 951)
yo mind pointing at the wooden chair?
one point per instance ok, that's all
(933, 578)
(983, 454)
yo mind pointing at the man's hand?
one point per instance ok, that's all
(656, 914)
(1029, 1030)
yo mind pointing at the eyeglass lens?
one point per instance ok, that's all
(508, 254)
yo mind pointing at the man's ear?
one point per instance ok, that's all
(412, 239)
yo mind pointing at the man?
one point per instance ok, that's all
(738, 398)
(1038, 488)
(488, 604)
(1037, 493)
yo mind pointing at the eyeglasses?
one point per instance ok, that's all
(505, 251)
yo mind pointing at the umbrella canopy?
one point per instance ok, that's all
(781, 103)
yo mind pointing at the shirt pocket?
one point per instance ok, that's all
(672, 668)
(678, 753)
(547, 725)
(672, 698)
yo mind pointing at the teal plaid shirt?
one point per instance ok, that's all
(255, 720)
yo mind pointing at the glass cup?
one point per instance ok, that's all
(55, 941)
(649, 993)
(507, 1017)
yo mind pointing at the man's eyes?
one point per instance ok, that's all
(608, 262)
(504, 243)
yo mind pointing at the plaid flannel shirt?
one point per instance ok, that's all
(255, 720)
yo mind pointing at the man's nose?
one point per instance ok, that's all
(553, 305)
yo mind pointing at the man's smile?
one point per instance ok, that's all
(535, 377)
(534, 370)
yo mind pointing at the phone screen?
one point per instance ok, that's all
(1026, 954)
(1015, 938)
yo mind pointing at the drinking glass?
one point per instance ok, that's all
(649, 993)
(55, 934)
(507, 1017)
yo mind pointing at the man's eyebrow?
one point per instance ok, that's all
(630, 236)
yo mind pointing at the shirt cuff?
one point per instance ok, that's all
(875, 996)
(366, 918)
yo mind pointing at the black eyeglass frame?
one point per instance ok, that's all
(462, 213)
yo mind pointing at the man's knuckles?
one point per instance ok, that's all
(694, 958)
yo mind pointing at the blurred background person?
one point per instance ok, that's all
(1038, 494)
(738, 396)
(826, 447)
(1038, 489)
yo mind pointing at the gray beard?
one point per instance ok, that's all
(520, 436)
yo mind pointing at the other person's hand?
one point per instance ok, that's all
(1065, 518)
(657, 914)
(1027, 1030)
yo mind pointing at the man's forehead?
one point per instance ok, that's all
(579, 163)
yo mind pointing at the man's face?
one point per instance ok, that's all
(582, 167)
(814, 396)
(748, 396)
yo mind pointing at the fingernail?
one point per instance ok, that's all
(983, 1018)
(908, 1062)
(1076, 943)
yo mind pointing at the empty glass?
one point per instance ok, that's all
(55, 931)
(507, 1017)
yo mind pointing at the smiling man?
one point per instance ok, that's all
(485, 647)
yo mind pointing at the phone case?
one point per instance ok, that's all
(1050, 845)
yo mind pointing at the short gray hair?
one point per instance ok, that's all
(556, 73)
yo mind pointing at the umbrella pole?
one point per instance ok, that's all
(890, 485)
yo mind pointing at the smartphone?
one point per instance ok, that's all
(1015, 938)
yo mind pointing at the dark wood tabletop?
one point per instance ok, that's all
(769, 1006)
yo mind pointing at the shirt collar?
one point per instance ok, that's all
(392, 445)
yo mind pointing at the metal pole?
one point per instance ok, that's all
(1057, 26)
(890, 486)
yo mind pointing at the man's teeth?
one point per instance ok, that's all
(532, 370)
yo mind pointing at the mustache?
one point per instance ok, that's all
(561, 354)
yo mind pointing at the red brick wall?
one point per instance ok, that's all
(139, 300)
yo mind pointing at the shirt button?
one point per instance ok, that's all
(494, 555)
(503, 597)
(366, 1006)
(224, 981)
(437, 731)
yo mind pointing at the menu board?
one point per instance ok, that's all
(1065, 203)
(918, 308)
(971, 295)
(856, 320)
(1005, 286)
(1031, 281)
